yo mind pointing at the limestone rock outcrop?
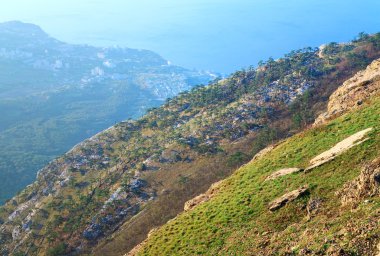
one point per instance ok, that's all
(353, 92)
(214, 188)
(288, 197)
(283, 172)
(339, 149)
(366, 185)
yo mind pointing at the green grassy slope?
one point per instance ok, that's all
(237, 221)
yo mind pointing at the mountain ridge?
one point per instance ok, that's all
(54, 95)
(89, 200)
(289, 227)
(19, 27)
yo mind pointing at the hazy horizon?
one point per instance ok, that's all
(204, 34)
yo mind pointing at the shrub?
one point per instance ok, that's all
(57, 250)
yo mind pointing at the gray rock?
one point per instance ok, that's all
(283, 172)
(288, 197)
(16, 233)
(137, 184)
(93, 232)
(26, 226)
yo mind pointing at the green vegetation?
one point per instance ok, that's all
(138, 174)
(58, 250)
(237, 158)
(54, 95)
(237, 222)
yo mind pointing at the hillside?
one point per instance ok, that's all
(108, 192)
(316, 193)
(53, 95)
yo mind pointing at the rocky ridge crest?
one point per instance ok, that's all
(353, 92)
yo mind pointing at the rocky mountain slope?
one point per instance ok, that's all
(353, 92)
(108, 192)
(54, 95)
(316, 193)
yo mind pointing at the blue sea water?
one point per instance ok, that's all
(216, 35)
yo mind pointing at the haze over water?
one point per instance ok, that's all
(217, 35)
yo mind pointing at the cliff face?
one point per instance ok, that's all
(104, 196)
(353, 92)
(316, 193)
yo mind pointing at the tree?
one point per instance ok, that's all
(237, 159)
(301, 113)
(362, 36)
